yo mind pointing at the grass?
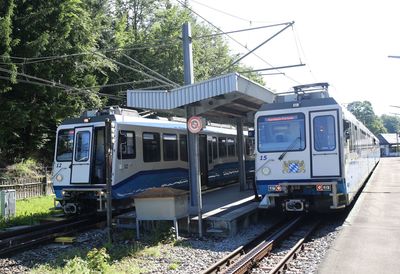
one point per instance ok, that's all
(30, 211)
(124, 256)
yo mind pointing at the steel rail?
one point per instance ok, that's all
(15, 232)
(292, 254)
(47, 233)
(244, 257)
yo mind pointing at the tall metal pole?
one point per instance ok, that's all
(193, 139)
(108, 162)
(240, 153)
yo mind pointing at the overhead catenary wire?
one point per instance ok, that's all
(134, 69)
(240, 30)
(32, 60)
(151, 70)
(233, 39)
(49, 83)
(229, 14)
(221, 11)
(302, 51)
(260, 45)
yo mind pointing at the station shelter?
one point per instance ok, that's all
(228, 99)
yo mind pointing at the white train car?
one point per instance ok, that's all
(311, 153)
(146, 153)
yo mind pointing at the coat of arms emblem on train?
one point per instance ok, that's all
(293, 166)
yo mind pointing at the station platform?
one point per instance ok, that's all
(225, 211)
(369, 241)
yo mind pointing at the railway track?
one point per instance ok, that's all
(17, 240)
(244, 258)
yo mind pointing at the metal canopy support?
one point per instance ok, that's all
(108, 143)
(240, 152)
(193, 139)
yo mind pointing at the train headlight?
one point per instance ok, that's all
(266, 171)
(59, 178)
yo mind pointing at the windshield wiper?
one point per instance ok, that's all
(292, 144)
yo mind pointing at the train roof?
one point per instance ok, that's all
(130, 117)
(299, 103)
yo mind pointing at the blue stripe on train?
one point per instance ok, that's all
(176, 177)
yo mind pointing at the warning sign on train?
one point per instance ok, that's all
(195, 124)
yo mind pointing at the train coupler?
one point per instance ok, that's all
(295, 205)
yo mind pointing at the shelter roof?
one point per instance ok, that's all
(219, 99)
(388, 138)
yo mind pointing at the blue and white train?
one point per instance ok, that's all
(311, 153)
(146, 153)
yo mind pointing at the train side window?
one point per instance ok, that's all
(65, 145)
(98, 171)
(215, 148)
(151, 147)
(346, 128)
(183, 147)
(126, 145)
(250, 142)
(170, 147)
(324, 133)
(210, 152)
(222, 147)
(231, 147)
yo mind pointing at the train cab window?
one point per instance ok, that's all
(151, 147)
(65, 145)
(183, 147)
(231, 147)
(82, 148)
(278, 133)
(126, 145)
(170, 147)
(222, 147)
(214, 148)
(324, 133)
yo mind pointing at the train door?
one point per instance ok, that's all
(99, 157)
(80, 169)
(203, 159)
(325, 158)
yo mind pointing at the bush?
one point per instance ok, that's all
(98, 260)
(76, 266)
(27, 169)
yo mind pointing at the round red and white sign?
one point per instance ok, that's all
(195, 124)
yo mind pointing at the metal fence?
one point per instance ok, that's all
(27, 188)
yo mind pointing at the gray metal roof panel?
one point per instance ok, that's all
(167, 100)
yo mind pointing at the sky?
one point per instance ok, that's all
(344, 43)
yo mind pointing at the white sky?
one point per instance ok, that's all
(344, 43)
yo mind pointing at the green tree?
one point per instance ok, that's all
(30, 111)
(391, 123)
(365, 113)
(64, 42)
(6, 42)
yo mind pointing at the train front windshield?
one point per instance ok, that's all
(277, 133)
(65, 145)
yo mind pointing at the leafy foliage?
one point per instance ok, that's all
(365, 113)
(391, 123)
(58, 55)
